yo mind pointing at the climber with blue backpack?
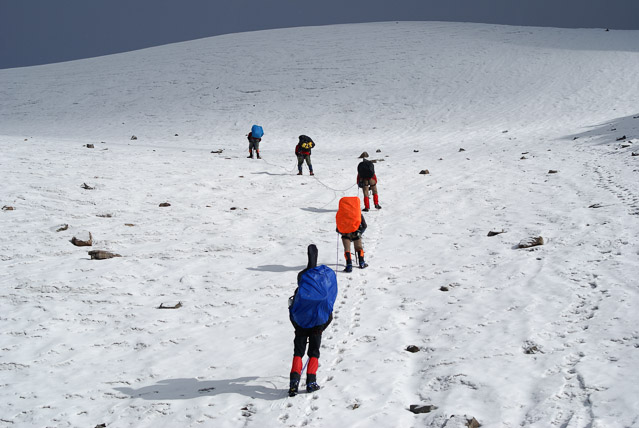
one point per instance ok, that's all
(254, 138)
(310, 311)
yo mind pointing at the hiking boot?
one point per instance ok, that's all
(378, 206)
(365, 209)
(362, 264)
(292, 390)
(250, 157)
(349, 262)
(312, 387)
(312, 173)
(260, 157)
(299, 173)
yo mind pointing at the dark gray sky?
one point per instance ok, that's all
(43, 31)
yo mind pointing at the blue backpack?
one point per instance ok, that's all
(315, 297)
(257, 131)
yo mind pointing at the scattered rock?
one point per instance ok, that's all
(443, 288)
(85, 239)
(462, 150)
(458, 421)
(595, 206)
(129, 224)
(100, 426)
(424, 171)
(523, 157)
(552, 171)
(354, 406)
(233, 208)
(415, 151)
(504, 132)
(165, 204)
(531, 348)
(133, 137)
(412, 348)
(378, 151)
(90, 146)
(7, 208)
(102, 255)
(625, 146)
(363, 155)
(62, 228)
(104, 215)
(531, 242)
(575, 138)
(176, 135)
(176, 306)
(621, 138)
(635, 153)
(472, 423)
(217, 151)
(377, 160)
(87, 187)
(417, 409)
(492, 233)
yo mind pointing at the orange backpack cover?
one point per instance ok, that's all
(349, 214)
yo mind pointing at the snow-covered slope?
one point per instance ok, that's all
(545, 337)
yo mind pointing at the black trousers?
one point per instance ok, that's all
(314, 343)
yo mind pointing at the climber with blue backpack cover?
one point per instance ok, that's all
(254, 138)
(310, 311)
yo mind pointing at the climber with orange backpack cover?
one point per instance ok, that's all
(351, 225)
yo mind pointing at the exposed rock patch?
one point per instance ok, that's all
(531, 242)
(84, 239)
(102, 255)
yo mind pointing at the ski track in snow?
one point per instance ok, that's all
(540, 337)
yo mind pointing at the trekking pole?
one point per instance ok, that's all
(305, 364)
(337, 252)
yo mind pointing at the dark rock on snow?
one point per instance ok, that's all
(417, 409)
(531, 242)
(85, 239)
(102, 255)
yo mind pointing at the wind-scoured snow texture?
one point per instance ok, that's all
(540, 337)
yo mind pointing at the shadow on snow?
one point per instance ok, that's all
(185, 389)
(276, 268)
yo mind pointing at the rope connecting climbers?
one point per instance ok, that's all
(335, 195)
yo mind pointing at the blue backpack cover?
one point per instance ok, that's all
(315, 297)
(257, 131)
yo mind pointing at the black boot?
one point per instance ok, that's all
(294, 385)
(362, 263)
(349, 262)
(311, 383)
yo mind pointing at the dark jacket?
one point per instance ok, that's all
(253, 140)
